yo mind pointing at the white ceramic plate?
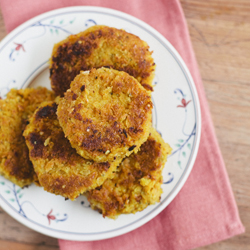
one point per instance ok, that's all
(24, 55)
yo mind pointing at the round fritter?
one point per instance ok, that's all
(106, 114)
(14, 112)
(59, 168)
(100, 46)
(137, 183)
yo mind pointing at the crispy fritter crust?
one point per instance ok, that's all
(14, 112)
(100, 46)
(137, 183)
(106, 114)
(59, 168)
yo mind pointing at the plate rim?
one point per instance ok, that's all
(184, 175)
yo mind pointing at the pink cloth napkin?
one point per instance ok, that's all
(205, 210)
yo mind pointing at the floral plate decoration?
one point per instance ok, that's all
(24, 55)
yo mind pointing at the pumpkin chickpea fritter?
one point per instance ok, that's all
(100, 46)
(137, 182)
(14, 113)
(106, 114)
(59, 168)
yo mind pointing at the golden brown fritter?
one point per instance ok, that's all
(59, 168)
(14, 112)
(106, 114)
(100, 46)
(137, 183)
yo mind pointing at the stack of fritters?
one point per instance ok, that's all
(96, 138)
